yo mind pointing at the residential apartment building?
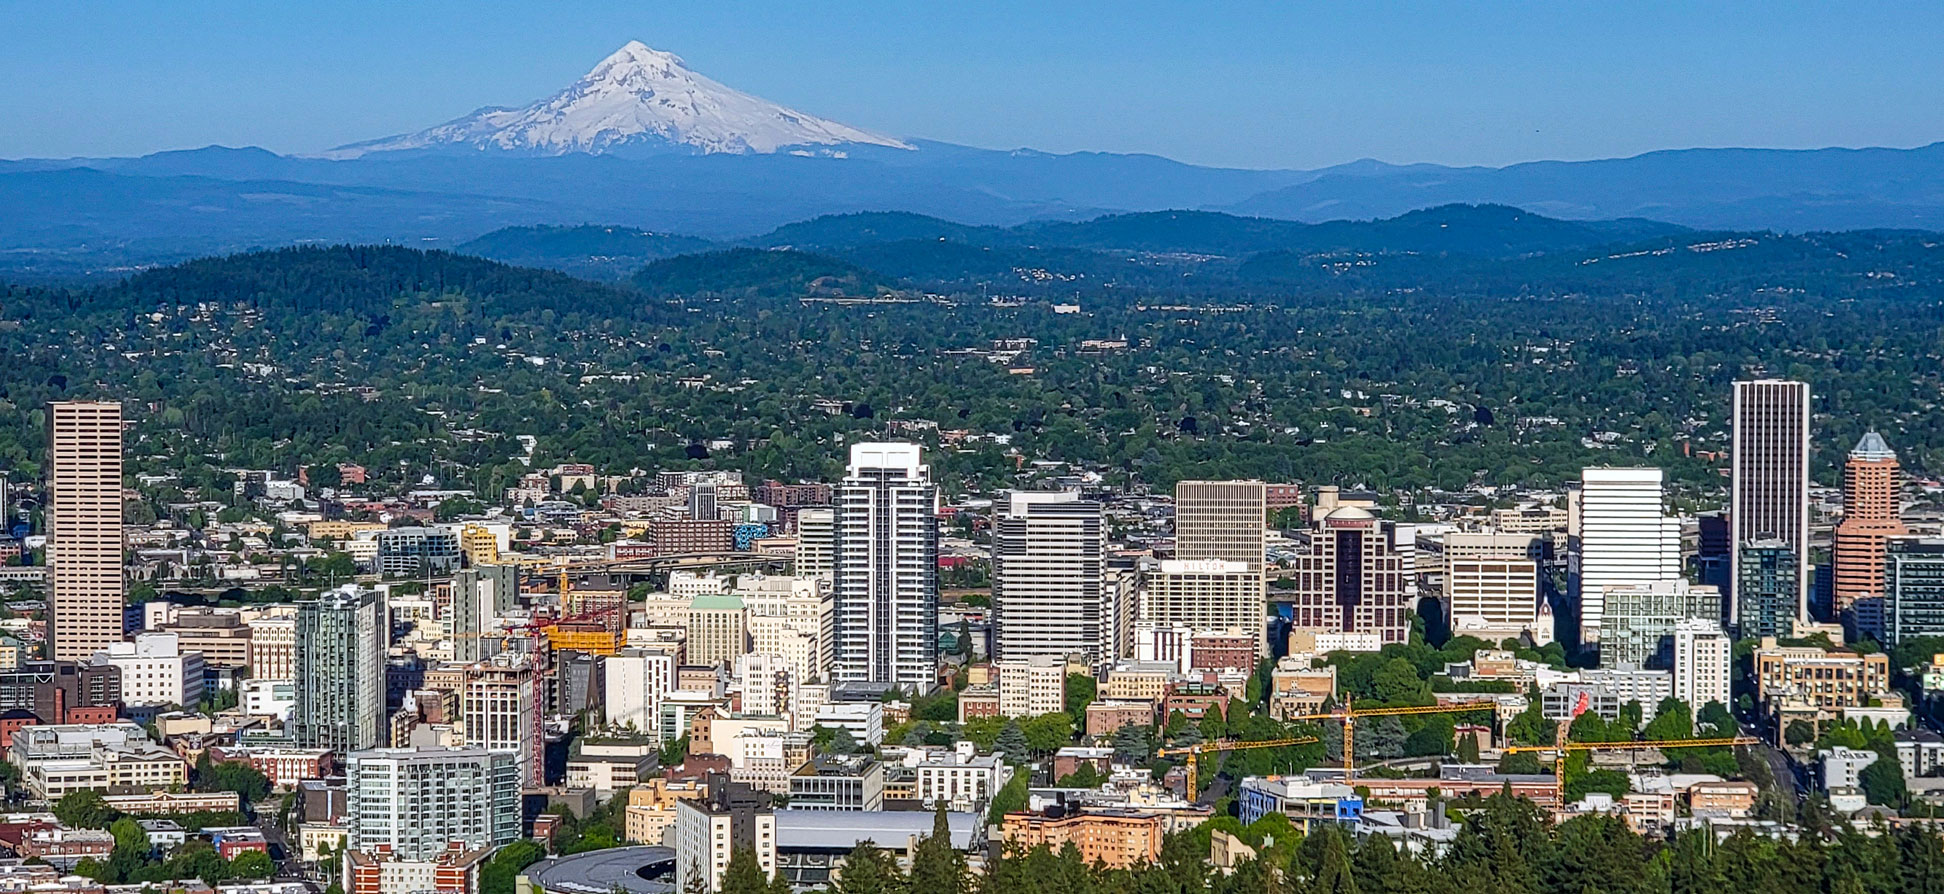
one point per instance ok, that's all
(1118, 839)
(1768, 581)
(418, 801)
(1703, 663)
(1031, 686)
(1638, 625)
(1050, 587)
(1809, 677)
(502, 705)
(155, 671)
(342, 637)
(710, 829)
(1912, 589)
(885, 572)
(273, 647)
(417, 552)
(718, 630)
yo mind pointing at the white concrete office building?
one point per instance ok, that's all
(1625, 539)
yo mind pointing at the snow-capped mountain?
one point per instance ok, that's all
(636, 98)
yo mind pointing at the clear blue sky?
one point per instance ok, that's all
(1235, 83)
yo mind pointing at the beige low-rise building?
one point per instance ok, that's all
(651, 808)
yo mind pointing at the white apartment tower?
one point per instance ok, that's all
(1769, 477)
(1703, 663)
(1625, 539)
(84, 519)
(1049, 593)
(885, 569)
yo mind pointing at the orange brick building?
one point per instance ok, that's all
(1121, 841)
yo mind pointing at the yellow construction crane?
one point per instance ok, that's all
(1560, 746)
(1195, 752)
(1348, 716)
(1560, 750)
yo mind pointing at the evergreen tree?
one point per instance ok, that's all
(1131, 744)
(1333, 873)
(1012, 741)
(743, 875)
(936, 866)
(869, 870)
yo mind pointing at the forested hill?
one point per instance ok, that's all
(1485, 231)
(1394, 370)
(369, 281)
(587, 251)
(753, 273)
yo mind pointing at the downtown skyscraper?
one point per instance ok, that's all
(1052, 594)
(885, 569)
(342, 636)
(1871, 516)
(1769, 481)
(84, 520)
(1622, 538)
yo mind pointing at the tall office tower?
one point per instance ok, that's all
(1048, 588)
(1624, 539)
(1220, 520)
(342, 636)
(1769, 476)
(84, 521)
(6, 507)
(480, 595)
(502, 705)
(816, 538)
(885, 569)
(416, 801)
(1913, 589)
(1703, 663)
(1871, 516)
(1351, 581)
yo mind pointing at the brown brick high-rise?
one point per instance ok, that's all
(84, 520)
(1871, 482)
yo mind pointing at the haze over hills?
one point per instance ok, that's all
(643, 142)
